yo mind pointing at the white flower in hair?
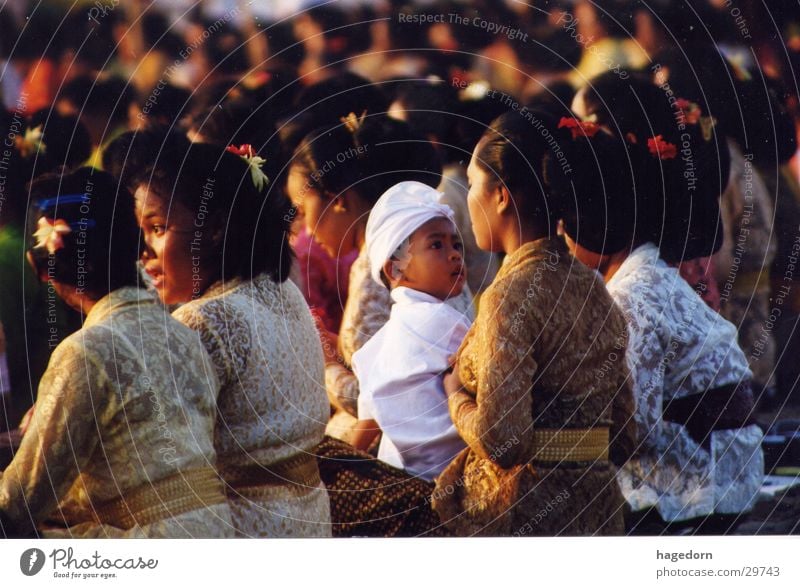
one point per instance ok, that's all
(49, 234)
(254, 161)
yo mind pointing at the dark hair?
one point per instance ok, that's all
(159, 35)
(170, 105)
(65, 138)
(515, 151)
(226, 49)
(478, 115)
(254, 223)
(433, 110)
(556, 98)
(550, 50)
(678, 196)
(130, 154)
(10, 33)
(100, 253)
(238, 121)
(103, 98)
(346, 33)
(749, 111)
(380, 153)
(599, 208)
(325, 102)
(63, 145)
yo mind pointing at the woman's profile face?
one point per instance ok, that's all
(176, 249)
(326, 222)
(482, 205)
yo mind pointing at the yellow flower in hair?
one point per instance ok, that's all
(707, 126)
(353, 122)
(49, 234)
(31, 142)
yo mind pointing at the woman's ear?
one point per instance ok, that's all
(339, 204)
(351, 202)
(503, 199)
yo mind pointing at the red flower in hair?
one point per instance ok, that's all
(253, 161)
(578, 127)
(242, 150)
(631, 138)
(661, 148)
(690, 110)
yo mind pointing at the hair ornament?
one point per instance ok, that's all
(49, 234)
(707, 127)
(31, 142)
(353, 122)
(578, 127)
(690, 112)
(253, 161)
(661, 148)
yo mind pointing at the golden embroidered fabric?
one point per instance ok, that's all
(543, 363)
(183, 492)
(298, 471)
(556, 445)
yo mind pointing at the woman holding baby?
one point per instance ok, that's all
(528, 417)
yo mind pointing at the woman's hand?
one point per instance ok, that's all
(452, 381)
(26, 421)
(328, 340)
(330, 347)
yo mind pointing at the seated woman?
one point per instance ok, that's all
(699, 462)
(538, 390)
(120, 443)
(216, 234)
(616, 105)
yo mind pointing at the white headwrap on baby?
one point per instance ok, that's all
(400, 211)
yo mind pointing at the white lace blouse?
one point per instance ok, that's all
(272, 404)
(679, 346)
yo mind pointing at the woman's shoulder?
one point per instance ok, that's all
(220, 310)
(241, 304)
(645, 278)
(544, 271)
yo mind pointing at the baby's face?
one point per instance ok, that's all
(434, 263)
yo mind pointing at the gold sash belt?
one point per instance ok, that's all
(556, 445)
(299, 471)
(172, 496)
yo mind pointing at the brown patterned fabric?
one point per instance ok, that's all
(547, 350)
(369, 498)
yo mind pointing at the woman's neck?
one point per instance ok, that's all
(75, 298)
(612, 264)
(516, 237)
